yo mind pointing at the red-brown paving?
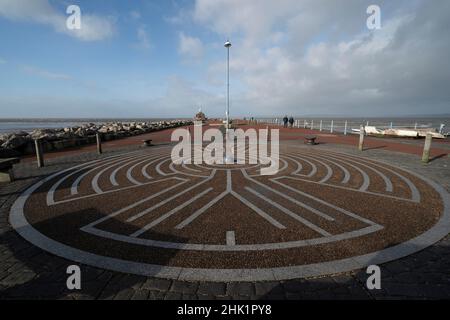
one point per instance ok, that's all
(139, 207)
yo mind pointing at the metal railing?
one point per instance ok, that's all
(347, 126)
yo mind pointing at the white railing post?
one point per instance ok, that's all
(320, 128)
(345, 128)
(331, 126)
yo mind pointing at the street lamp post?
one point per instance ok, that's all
(229, 152)
(228, 45)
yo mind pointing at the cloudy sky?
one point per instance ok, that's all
(166, 58)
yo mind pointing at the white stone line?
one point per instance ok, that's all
(118, 190)
(158, 168)
(366, 179)
(169, 214)
(303, 205)
(378, 194)
(51, 193)
(19, 222)
(313, 167)
(130, 170)
(260, 212)
(171, 167)
(197, 213)
(190, 169)
(387, 181)
(347, 174)
(230, 238)
(285, 165)
(329, 170)
(415, 195)
(290, 213)
(144, 168)
(136, 216)
(238, 247)
(299, 165)
(131, 206)
(76, 183)
(348, 213)
(112, 176)
(94, 183)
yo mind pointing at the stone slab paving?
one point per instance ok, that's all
(28, 272)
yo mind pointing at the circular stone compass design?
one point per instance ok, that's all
(322, 213)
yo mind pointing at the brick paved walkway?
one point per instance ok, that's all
(28, 272)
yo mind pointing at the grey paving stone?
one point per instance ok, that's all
(264, 288)
(18, 278)
(246, 289)
(157, 295)
(212, 288)
(173, 296)
(295, 286)
(184, 287)
(405, 290)
(157, 284)
(140, 294)
(124, 294)
(206, 297)
(189, 296)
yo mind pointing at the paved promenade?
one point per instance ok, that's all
(86, 201)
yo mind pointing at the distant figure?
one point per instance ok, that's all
(291, 122)
(285, 121)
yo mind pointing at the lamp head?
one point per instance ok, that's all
(227, 44)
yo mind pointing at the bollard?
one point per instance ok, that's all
(426, 148)
(415, 126)
(99, 143)
(361, 138)
(345, 128)
(312, 124)
(392, 125)
(39, 153)
(332, 126)
(320, 128)
(304, 124)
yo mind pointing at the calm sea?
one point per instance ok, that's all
(28, 125)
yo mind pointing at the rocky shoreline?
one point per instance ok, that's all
(22, 143)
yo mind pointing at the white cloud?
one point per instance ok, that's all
(45, 73)
(190, 47)
(135, 15)
(144, 41)
(309, 56)
(93, 27)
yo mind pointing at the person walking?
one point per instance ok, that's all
(285, 121)
(291, 122)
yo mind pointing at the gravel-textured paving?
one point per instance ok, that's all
(28, 272)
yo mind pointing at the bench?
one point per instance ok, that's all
(310, 140)
(6, 174)
(147, 142)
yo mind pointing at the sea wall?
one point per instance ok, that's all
(22, 143)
